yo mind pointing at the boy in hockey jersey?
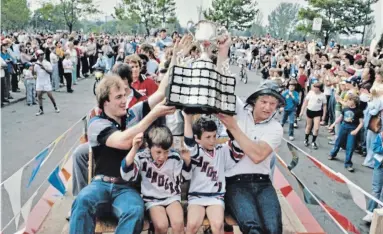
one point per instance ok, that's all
(160, 170)
(209, 162)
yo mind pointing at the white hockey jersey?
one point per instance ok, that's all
(208, 172)
(157, 183)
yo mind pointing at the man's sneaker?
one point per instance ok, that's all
(331, 142)
(350, 168)
(57, 110)
(291, 138)
(299, 119)
(295, 125)
(330, 158)
(314, 145)
(368, 217)
(40, 112)
(306, 143)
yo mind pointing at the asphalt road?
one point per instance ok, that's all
(24, 135)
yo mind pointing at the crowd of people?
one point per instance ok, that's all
(131, 133)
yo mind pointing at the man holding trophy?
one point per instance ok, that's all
(208, 88)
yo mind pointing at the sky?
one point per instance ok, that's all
(187, 9)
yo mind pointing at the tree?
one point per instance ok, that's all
(75, 9)
(283, 20)
(14, 14)
(338, 16)
(166, 9)
(49, 16)
(364, 16)
(143, 11)
(233, 14)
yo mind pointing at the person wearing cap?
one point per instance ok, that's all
(43, 70)
(292, 100)
(250, 196)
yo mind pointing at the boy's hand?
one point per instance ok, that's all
(354, 133)
(161, 109)
(137, 140)
(187, 117)
(331, 127)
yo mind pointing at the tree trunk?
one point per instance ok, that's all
(364, 31)
(70, 26)
(326, 38)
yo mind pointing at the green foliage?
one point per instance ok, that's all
(338, 16)
(73, 10)
(283, 20)
(139, 11)
(233, 14)
(166, 9)
(14, 14)
(48, 17)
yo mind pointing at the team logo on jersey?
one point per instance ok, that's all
(162, 181)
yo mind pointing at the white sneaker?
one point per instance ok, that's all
(368, 217)
(291, 138)
(57, 110)
(299, 119)
(40, 112)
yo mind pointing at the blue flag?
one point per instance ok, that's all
(39, 159)
(56, 181)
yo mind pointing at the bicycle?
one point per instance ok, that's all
(98, 75)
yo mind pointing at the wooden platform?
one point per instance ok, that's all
(291, 222)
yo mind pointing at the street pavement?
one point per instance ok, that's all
(24, 135)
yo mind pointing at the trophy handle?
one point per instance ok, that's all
(190, 25)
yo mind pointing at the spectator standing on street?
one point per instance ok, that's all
(292, 100)
(68, 68)
(30, 84)
(43, 70)
(73, 57)
(54, 59)
(377, 177)
(4, 66)
(352, 122)
(316, 104)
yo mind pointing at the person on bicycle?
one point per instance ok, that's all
(101, 62)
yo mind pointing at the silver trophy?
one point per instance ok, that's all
(206, 34)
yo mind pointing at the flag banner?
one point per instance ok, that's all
(358, 197)
(295, 159)
(13, 188)
(26, 209)
(313, 199)
(55, 180)
(66, 174)
(326, 171)
(39, 159)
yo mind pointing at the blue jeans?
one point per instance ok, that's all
(291, 116)
(123, 201)
(369, 160)
(377, 188)
(255, 206)
(345, 136)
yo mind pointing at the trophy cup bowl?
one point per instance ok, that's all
(206, 34)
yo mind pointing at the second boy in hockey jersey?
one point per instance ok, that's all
(209, 162)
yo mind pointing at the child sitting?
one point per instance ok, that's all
(30, 84)
(209, 162)
(292, 100)
(160, 170)
(352, 122)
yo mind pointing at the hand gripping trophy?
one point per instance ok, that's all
(201, 88)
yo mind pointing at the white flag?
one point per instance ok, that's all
(13, 187)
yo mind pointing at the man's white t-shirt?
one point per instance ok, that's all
(43, 77)
(316, 101)
(269, 131)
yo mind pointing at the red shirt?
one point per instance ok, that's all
(302, 79)
(148, 86)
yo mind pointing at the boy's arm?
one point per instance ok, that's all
(130, 166)
(355, 132)
(189, 140)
